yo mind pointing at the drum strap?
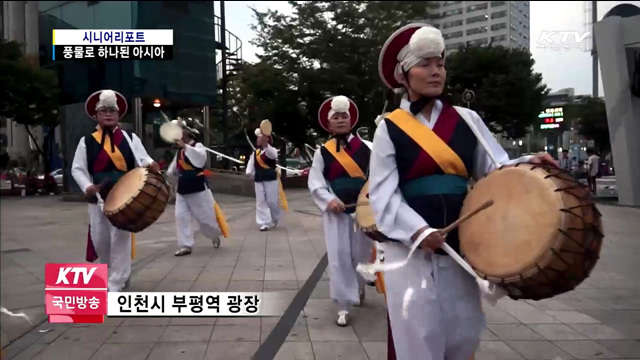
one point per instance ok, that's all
(116, 156)
(345, 160)
(430, 142)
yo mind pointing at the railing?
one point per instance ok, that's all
(232, 42)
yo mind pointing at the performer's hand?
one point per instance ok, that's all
(92, 190)
(181, 143)
(336, 206)
(154, 168)
(544, 159)
(433, 242)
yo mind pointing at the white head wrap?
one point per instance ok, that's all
(107, 99)
(425, 43)
(258, 132)
(339, 104)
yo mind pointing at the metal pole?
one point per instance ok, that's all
(137, 116)
(225, 80)
(207, 132)
(594, 52)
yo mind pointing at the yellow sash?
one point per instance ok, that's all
(282, 199)
(133, 246)
(116, 157)
(222, 221)
(185, 166)
(430, 142)
(345, 160)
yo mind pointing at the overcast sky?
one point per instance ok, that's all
(559, 68)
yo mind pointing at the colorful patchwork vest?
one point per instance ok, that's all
(262, 174)
(107, 163)
(435, 195)
(191, 179)
(337, 171)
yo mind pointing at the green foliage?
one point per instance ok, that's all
(28, 95)
(509, 95)
(323, 49)
(591, 116)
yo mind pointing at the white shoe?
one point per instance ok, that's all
(264, 228)
(183, 251)
(342, 318)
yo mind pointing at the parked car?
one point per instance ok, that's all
(298, 164)
(57, 175)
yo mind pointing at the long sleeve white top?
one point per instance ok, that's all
(271, 153)
(394, 217)
(319, 187)
(195, 152)
(80, 167)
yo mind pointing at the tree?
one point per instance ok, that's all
(591, 117)
(331, 48)
(28, 95)
(509, 95)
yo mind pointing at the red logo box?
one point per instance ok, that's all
(76, 293)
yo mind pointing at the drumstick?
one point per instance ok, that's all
(357, 204)
(465, 217)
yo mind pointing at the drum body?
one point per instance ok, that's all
(137, 200)
(542, 236)
(365, 218)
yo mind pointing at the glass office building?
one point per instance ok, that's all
(183, 85)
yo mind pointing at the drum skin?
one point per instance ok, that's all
(137, 200)
(365, 218)
(541, 238)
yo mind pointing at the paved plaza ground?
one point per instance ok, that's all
(599, 320)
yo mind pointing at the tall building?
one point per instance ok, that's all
(478, 23)
(184, 86)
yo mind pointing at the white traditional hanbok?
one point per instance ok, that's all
(339, 172)
(262, 167)
(418, 177)
(102, 158)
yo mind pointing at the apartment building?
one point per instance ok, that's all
(480, 23)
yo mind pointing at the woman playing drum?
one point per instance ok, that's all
(424, 153)
(100, 160)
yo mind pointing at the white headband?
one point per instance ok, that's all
(339, 104)
(426, 42)
(107, 99)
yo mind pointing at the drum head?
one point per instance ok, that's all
(170, 132)
(521, 227)
(125, 189)
(364, 213)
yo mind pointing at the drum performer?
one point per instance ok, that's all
(101, 158)
(423, 156)
(193, 197)
(269, 194)
(336, 178)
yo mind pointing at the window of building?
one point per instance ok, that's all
(478, 30)
(500, 26)
(482, 6)
(452, 12)
(525, 36)
(450, 24)
(478, 42)
(497, 3)
(475, 19)
(458, 45)
(497, 38)
(513, 38)
(446, 3)
(499, 14)
(453, 35)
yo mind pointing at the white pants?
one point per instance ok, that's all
(267, 202)
(443, 320)
(199, 206)
(346, 249)
(113, 247)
